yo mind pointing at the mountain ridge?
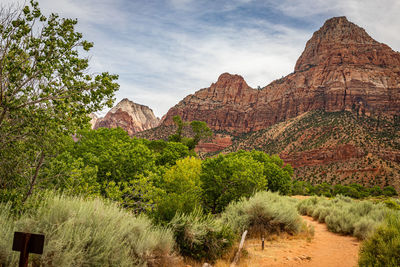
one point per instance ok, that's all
(130, 116)
(343, 75)
(335, 72)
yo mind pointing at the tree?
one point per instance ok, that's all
(177, 137)
(389, 191)
(182, 187)
(200, 130)
(278, 175)
(229, 177)
(117, 156)
(46, 91)
(167, 153)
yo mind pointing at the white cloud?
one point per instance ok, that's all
(164, 51)
(379, 18)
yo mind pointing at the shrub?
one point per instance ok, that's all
(263, 212)
(392, 204)
(344, 215)
(389, 191)
(201, 237)
(353, 190)
(383, 247)
(88, 233)
(6, 231)
(301, 188)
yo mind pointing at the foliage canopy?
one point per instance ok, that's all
(46, 91)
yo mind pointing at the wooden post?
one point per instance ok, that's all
(24, 255)
(262, 242)
(27, 243)
(236, 259)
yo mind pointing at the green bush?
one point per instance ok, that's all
(264, 212)
(344, 215)
(6, 231)
(302, 188)
(383, 247)
(86, 233)
(352, 190)
(201, 237)
(393, 204)
(389, 191)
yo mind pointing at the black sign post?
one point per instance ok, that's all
(27, 243)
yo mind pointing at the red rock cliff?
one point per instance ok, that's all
(129, 116)
(341, 68)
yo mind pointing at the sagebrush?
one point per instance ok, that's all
(201, 237)
(264, 212)
(83, 232)
(344, 215)
(383, 247)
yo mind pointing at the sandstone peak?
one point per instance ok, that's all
(341, 68)
(232, 83)
(339, 29)
(130, 116)
(339, 42)
(226, 79)
(127, 102)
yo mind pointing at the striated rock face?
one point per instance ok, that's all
(341, 69)
(219, 142)
(129, 116)
(225, 105)
(322, 156)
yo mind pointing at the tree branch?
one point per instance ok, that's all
(35, 175)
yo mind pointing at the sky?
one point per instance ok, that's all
(164, 50)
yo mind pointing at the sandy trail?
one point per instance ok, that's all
(325, 249)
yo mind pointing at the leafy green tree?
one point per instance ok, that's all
(46, 91)
(167, 153)
(182, 187)
(138, 195)
(300, 188)
(375, 191)
(71, 175)
(278, 175)
(346, 190)
(177, 137)
(229, 177)
(200, 130)
(117, 156)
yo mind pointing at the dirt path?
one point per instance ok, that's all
(325, 249)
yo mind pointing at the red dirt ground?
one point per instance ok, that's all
(324, 250)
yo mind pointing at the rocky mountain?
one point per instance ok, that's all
(336, 118)
(336, 147)
(341, 68)
(128, 115)
(93, 119)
